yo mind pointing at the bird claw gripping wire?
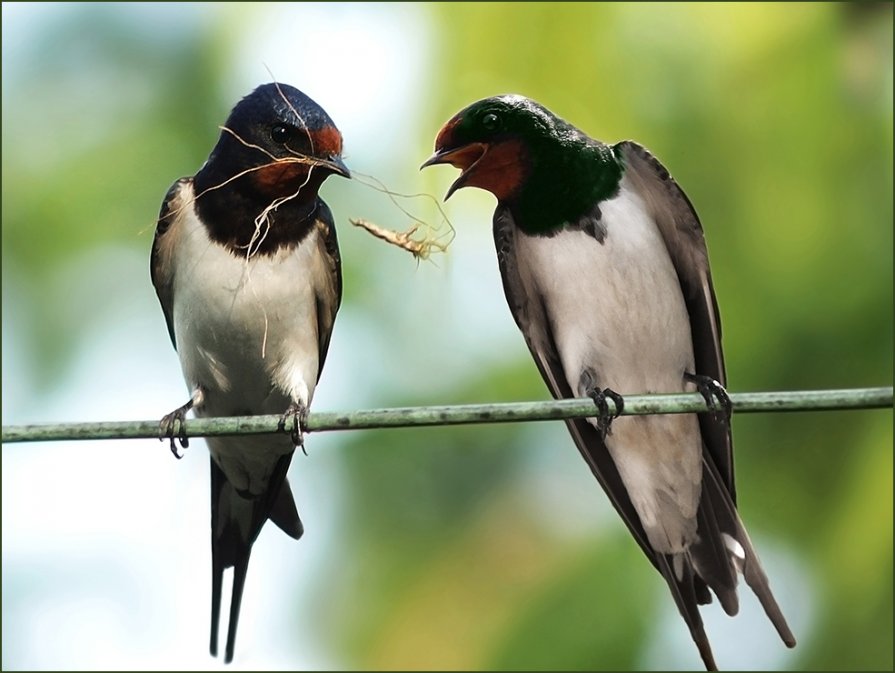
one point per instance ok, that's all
(715, 396)
(296, 416)
(604, 416)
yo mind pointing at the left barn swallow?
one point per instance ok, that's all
(246, 265)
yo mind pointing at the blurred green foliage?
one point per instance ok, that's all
(777, 121)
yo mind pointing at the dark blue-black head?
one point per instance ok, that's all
(494, 142)
(544, 169)
(278, 140)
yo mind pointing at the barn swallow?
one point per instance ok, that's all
(606, 273)
(246, 265)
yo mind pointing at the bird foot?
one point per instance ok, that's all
(715, 396)
(604, 416)
(296, 417)
(168, 424)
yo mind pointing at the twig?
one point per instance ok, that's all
(419, 248)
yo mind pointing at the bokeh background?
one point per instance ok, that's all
(487, 547)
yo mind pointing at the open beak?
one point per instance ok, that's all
(465, 158)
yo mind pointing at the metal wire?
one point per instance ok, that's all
(806, 400)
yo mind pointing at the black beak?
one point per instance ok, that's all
(336, 166)
(463, 157)
(440, 157)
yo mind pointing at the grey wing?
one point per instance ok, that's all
(685, 240)
(161, 267)
(329, 297)
(531, 316)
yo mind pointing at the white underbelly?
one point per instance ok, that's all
(615, 306)
(247, 336)
(616, 309)
(246, 328)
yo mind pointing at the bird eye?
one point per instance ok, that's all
(491, 121)
(281, 133)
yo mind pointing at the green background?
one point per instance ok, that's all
(486, 547)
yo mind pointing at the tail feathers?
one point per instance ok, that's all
(724, 548)
(239, 579)
(678, 573)
(758, 582)
(710, 555)
(746, 560)
(239, 574)
(284, 514)
(229, 549)
(236, 522)
(217, 583)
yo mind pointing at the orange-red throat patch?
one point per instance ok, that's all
(501, 169)
(280, 175)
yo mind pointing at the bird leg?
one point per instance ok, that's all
(166, 427)
(716, 397)
(298, 413)
(604, 416)
(587, 385)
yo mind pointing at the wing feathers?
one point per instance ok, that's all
(161, 262)
(684, 238)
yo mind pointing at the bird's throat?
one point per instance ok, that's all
(564, 186)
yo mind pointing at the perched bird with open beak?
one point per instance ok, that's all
(246, 265)
(606, 272)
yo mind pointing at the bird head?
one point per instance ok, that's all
(279, 141)
(491, 142)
